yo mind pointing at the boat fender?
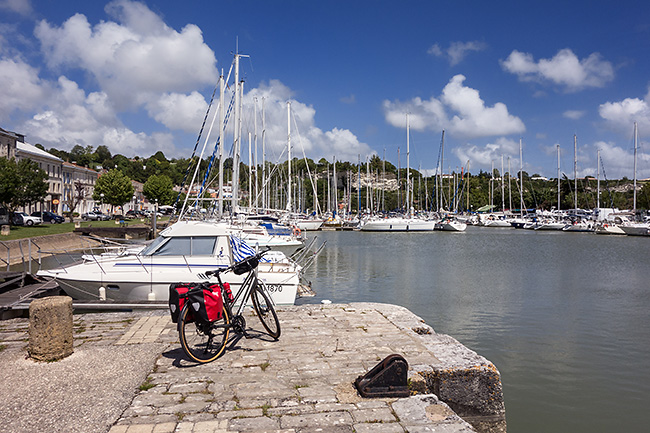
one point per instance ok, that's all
(102, 293)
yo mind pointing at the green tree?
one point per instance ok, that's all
(115, 187)
(102, 154)
(159, 187)
(82, 155)
(21, 183)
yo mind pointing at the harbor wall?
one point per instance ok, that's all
(16, 251)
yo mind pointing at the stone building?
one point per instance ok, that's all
(61, 175)
(8, 141)
(74, 175)
(53, 167)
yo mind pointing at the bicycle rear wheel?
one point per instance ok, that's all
(265, 312)
(203, 341)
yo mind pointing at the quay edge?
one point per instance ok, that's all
(301, 384)
(466, 381)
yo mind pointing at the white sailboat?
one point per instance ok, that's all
(408, 223)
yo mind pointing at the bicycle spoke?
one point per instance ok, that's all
(265, 312)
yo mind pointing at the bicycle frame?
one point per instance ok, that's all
(244, 292)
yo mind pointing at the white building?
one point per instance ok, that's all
(86, 178)
(53, 167)
(62, 176)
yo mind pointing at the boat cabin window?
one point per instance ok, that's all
(183, 246)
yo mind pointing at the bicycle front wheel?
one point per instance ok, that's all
(265, 312)
(203, 341)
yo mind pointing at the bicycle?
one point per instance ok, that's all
(205, 340)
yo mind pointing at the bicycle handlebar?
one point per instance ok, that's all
(231, 267)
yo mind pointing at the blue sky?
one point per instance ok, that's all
(137, 76)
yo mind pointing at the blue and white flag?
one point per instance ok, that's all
(241, 250)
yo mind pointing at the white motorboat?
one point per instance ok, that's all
(182, 253)
(259, 235)
(308, 224)
(451, 225)
(494, 221)
(608, 228)
(636, 229)
(398, 224)
(579, 226)
(551, 225)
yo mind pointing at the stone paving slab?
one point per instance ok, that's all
(301, 383)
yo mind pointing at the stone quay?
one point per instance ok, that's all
(128, 374)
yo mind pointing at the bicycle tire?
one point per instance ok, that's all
(203, 341)
(265, 312)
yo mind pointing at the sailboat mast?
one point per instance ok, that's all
(237, 131)
(575, 171)
(250, 172)
(408, 168)
(503, 192)
(509, 186)
(598, 179)
(636, 136)
(492, 187)
(289, 154)
(255, 161)
(265, 200)
(558, 176)
(383, 183)
(442, 155)
(521, 180)
(222, 140)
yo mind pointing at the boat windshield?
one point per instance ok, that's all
(152, 246)
(182, 246)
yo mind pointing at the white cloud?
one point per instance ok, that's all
(618, 161)
(564, 69)
(339, 143)
(483, 156)
(573, 114)
(22, 7)
(74, 118)
(622, 114)
(138, 66)
(21, 88)
(457, 51)
(468, 115)
(178, 111)
(133, 60)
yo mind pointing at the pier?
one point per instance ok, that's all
(128, 374)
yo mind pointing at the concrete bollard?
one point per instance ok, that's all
(5, 230)
(50, 328)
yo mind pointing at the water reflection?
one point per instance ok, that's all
(563, 316)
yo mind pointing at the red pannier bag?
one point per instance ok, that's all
(175, 302)
(226, 288)
(207, 304)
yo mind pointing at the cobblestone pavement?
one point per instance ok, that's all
(301, 383)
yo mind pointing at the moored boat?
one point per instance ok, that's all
(182, 253)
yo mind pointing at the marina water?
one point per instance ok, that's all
(565, 317)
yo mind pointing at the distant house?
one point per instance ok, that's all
(61, 175)
(53, 166)
(74, 174)
(8, 142)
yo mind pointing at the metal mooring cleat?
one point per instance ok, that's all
(386, 379)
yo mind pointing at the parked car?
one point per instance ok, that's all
(134, 214)
(21, 218)
(4, 216)
(49, 217)
(95, 216)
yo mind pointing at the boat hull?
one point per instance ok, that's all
(126, 280)
(398, 225)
